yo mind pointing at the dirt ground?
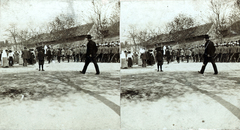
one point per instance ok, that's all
(60, 97)
(180, 98)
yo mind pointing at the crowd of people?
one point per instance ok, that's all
(24, 57)
(107, 52)
(225, 52)
(142, 58)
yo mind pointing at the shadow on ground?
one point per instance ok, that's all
(172, 85)
(38, 85)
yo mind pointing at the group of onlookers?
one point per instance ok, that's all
(225, 52)
(141, 58)
(21, 57)
(105, 53)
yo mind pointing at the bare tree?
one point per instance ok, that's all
(99, 19)
(115, 14)
(235, 15)
(13, 32)
(219, 17)
(178, 26)
(153, 31)
(60, 27)
(103, 18)
(133, 34)
(181, 22)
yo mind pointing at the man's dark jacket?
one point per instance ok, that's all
(40, 55)
(209, 48)
(91, 48)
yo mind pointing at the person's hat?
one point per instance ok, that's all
(88, 37)
(206, 36)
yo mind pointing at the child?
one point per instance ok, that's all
(41, 59)
(159, 58)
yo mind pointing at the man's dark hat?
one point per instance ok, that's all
(206, 36)
(88, 36)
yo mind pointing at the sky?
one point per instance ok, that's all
(156, 13)
(36, 13)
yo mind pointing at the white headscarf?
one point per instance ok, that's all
(4, 54)
(123, 55)
(142, 50)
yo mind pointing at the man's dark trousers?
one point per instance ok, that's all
(87, 61)
(205, 62)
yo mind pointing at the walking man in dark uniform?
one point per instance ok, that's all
(209, 55)
(91, 55)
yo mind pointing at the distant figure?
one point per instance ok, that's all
(129, 58)
(123, 60)
(159, 59)
(168, 55)
(25, 56)
(144, 58)
(4, 59)
(68, 54)
(49, 55)
(91, 55)
(20, 61)
(209, 55)
(188, 54)
(16, 57)
(10, 58)
(41, 59)
(178, 55)
(59, 54)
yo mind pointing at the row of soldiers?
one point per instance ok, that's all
(225, 52)
(106, 53)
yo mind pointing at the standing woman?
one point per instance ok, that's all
(15, 57)
(130, 57)
(41, 59)
(63, 55)
(4, 59)
(20, 60)
(123, 60)
(10, 58)
(139, 59)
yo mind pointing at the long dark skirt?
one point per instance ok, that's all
(41, 62)
(10, 61)
(160, 62)
(130, 62)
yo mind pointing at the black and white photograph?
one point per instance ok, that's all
(120, 64)
(60, 64)
(180, 64)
